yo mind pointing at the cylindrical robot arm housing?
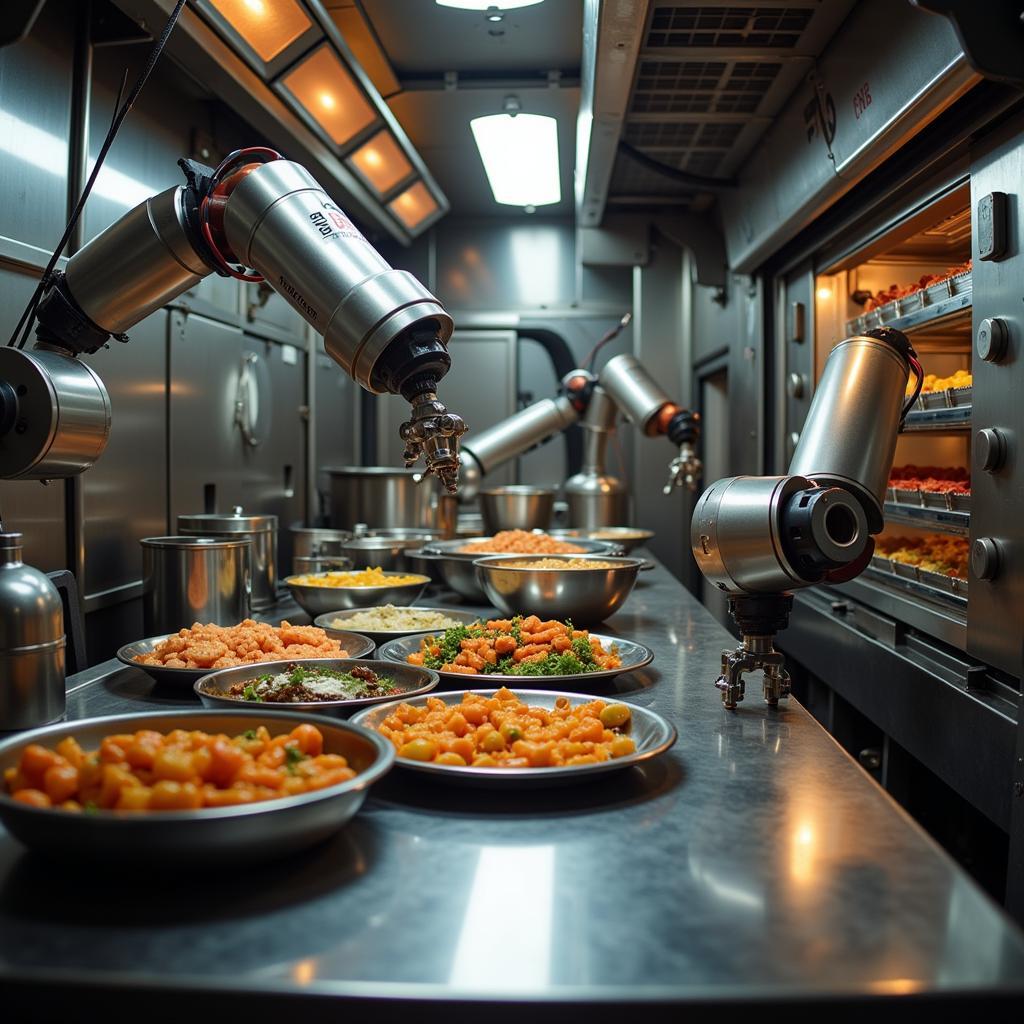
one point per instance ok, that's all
(381, 325)
(511, 438)
(757, 538)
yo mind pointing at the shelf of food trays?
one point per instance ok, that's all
(946, 296)
(930, 497)
(944, 578)
(941, 417)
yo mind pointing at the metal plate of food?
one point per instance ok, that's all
(284, 684)
(455, 617)
(355, 645)
(208, 837)
(650, 732)
(632, 655)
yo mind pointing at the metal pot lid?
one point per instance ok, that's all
(227, 522)
(187, 542)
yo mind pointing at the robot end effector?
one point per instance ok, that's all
(260, 217)
(759, 538)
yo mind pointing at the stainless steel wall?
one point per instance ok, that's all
(173, 387)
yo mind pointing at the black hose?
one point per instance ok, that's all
(564, 362)
(696, 182)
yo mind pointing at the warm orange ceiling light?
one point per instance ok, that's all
(414, 205)
(323, 86)
(268, 26)
(382, 162)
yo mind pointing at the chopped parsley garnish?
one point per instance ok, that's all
(249, 734)
(292, 756)
(249, 693)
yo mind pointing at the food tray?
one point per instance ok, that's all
(651, 733)
(941, 299)
(633, 655)
(950, 398)
(924, 578)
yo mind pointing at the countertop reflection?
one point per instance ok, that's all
(754, 860)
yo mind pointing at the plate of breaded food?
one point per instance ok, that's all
(522, 651)
(181, 658)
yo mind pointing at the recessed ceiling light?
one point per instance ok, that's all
(520, 156)
(486, 5)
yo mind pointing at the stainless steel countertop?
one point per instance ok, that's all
(754, 861)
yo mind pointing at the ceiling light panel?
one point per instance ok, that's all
(483, 5)
(520, 157)
(269, 27)
(381, 162)
(329, 95)
(414, 206)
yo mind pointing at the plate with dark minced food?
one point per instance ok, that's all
(327, 686)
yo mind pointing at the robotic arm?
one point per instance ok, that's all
(759, 538)
(259, 211)
(634, 393)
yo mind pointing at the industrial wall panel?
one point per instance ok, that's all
(506, 265)
(275, 469)
(125, 492)
(796, 349)
(265, 306)
(206, 466)
(662, 346)
(336, 415)
(35, 104)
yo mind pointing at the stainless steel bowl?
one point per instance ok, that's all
(458, 572)
(409, 680)
(355, 644)
(213, 837)
(317, 600)
(651, 733)
(384, 552)
(517, 508)
(383, 636)
(583, 595)
(629, 537)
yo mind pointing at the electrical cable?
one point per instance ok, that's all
(608, 336)
(918, 369)
(28, 317)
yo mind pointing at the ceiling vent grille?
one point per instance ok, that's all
(755, 27)
(709, 79)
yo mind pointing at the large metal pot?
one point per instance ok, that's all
(195, 579)
(517, 508)
(261, 530)
(382, 496)
(312, 541)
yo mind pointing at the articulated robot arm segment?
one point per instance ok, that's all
(644, 403)
(268, 214)
(759, 538)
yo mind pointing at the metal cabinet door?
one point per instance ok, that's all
(206, 470)
(481, 386)
(274, 440)
(125, 493)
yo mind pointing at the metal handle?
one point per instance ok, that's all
(243, 406)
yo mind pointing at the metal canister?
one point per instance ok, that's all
(195, 579)
(382, 496)
(31, 642)
(261, 530)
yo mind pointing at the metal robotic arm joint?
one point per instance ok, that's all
(257, 217)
